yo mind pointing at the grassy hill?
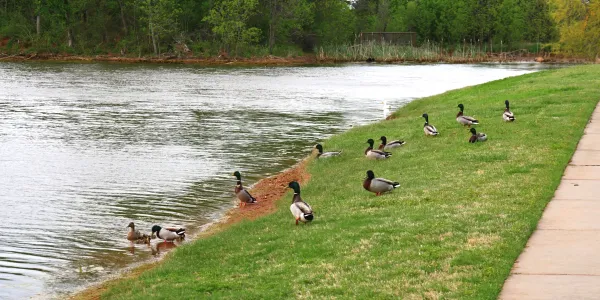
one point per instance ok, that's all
(452, 230)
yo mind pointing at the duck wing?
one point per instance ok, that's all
(379, 185)
(245, 196)
(508, 116)
(330, 154)
(431, 129)
(384, 153)
(395, 184)
(470, 119)
(303, 207)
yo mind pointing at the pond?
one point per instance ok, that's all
(87, 148)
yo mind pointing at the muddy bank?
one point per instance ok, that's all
(289, 61)
(267, 191)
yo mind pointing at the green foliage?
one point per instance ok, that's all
(334, 21)
(140, 27)
(462, 214)
(579, 26)
(229, 19)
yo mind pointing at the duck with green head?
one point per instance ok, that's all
(375, 154)
(465, 120)
(508, 116)
(477, 136)
(241, 193)
(378, 185)
(322, 154)
(300, 209)
(385, 145)
(428, 128)
(168, 234)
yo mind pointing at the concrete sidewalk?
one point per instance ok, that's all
(562, 257)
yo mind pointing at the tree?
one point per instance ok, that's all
(334, 22)
(287, 18)
(229, 19)
(162, 17)
(579, 26)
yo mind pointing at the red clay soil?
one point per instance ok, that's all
(268, 60)
(267, 191)
(285, 61)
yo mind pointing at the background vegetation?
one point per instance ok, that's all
(290, 27)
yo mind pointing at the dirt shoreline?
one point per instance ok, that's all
(283, 61)
(267, 191)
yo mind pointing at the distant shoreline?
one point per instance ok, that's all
(283, 61)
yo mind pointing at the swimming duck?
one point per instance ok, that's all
(465, 120)
(136, 236)
(241, 193)
(326, 154)
(378, 185)
(508, 116)
(477, 137)
(428, 128)
(300, 209)
(168, 234)
(375, 154)
(391, 145)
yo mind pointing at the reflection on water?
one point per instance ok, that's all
(87, 148)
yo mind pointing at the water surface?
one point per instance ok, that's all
(87, 148)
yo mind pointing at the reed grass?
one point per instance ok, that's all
(427, 51)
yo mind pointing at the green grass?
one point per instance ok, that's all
(451, 231)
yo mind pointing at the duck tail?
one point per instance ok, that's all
(252, 199)
(388, 154)
(180, 232)
(309, 217)
(475, 122)
(396, 184)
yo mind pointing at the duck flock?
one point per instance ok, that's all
(301, 210)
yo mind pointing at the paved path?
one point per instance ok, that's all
(562, 257)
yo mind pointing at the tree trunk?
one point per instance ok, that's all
(123, 17)
(69, 38)
(69, 32)
(152, 35)
(68, 23)
(271, 25)
(37, 25)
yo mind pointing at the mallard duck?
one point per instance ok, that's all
(477, 137)
(391, 145)
(136, 236)
(429, 129)
(375, 154)
(322, 154)
(465, 120)
(300, 209)
(378, 185)
(508, 116)
(241, 193)
(168, 234)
